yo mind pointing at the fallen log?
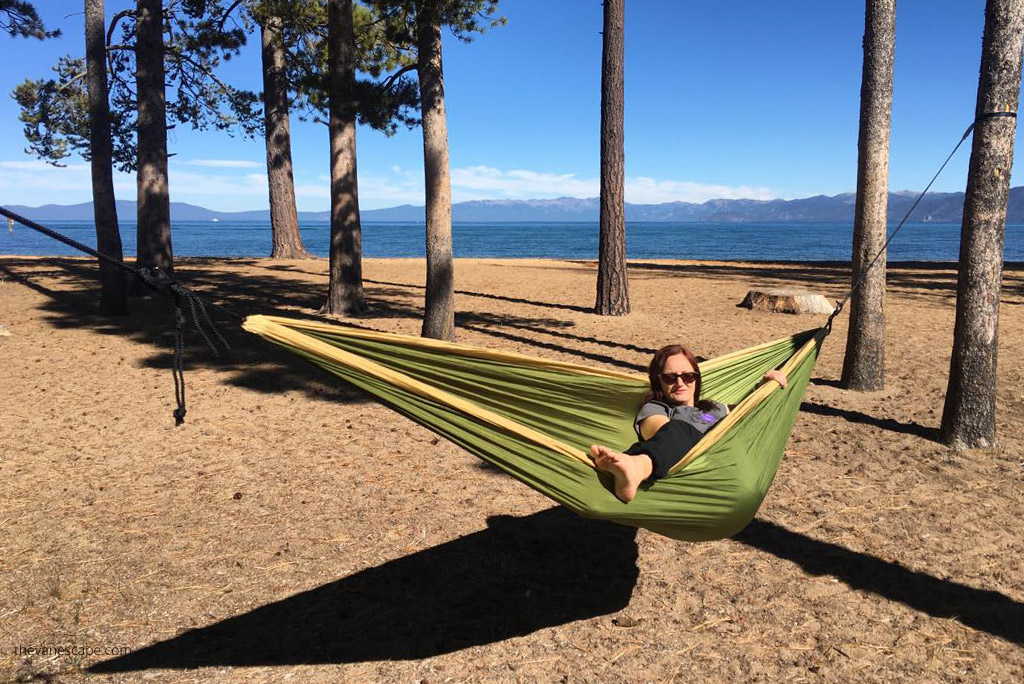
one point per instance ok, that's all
(787, 301)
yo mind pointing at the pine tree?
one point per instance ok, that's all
(969, 414)
(185, 44)
(154, 200)
(864, 364)
(612, 282)
(415, 26)
(113, 290)
(20, 19)
(345, 289)
(286, 240)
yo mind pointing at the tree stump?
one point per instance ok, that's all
(787, 301)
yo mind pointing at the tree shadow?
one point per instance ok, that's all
(502, 298)
(462, 322)
(469, 318)
(250, 363)
(514, 578)
(915, 429)
(916, 279)
(981, 609)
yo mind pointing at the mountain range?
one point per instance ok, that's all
(936, 207)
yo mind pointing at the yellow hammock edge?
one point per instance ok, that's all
(270, 329)
(257, 323)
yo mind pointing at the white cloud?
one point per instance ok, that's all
(480, 182)
(185, 185)
(484, 182)
(34, 164)
(225, 163)
(641, 190)
(35, 182)
(401, 187)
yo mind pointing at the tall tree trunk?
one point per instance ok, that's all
(969, 415)
(612, 284)
(864, 364)
(345, 291)
(113, 290)
(439, 313)
(154, 202)
(284, 219)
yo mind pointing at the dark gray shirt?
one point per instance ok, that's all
(702, 419)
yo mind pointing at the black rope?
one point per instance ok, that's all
(160, 283)
(177, 369)
(864, 273)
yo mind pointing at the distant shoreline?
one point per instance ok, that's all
(912, 264)
(732, 242)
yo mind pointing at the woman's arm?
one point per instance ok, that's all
(776, 375)
(651, 424)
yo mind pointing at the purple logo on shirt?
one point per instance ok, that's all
(708, 418)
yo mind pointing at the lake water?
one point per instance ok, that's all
(720, 241)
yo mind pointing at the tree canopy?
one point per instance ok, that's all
(54, 110)
(20, 19)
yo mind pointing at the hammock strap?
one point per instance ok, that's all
(864, 273)
(159, 283)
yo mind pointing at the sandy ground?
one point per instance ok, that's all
(294, 529)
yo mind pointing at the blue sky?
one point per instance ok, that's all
(741, 99)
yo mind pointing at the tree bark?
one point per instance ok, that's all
(969, 414)
(154, 202)
(113, 287)
(284, 219)
(612, 283)
(345, 291)
(439, 314)
(864, 363)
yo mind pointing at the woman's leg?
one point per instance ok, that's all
(669, 444)
(646, 460)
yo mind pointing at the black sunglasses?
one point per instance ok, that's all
(672, 378)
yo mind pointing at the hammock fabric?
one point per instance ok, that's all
(536, 418)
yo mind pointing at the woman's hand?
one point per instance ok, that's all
(776, 375)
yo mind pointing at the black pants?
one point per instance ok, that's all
(667, 446)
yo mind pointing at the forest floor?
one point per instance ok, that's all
(295, 529)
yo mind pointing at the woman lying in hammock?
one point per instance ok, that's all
(671, 422)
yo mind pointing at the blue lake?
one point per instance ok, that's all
(720, 241)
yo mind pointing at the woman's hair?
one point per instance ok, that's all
(658, 365)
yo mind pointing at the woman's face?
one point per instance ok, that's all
(679, 391)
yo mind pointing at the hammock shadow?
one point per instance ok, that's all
(890, 424)
(980, 609)
(517, 576)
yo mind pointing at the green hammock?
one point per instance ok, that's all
(536, 418)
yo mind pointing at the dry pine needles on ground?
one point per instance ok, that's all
(295, 528)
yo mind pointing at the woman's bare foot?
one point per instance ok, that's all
(628, 471)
